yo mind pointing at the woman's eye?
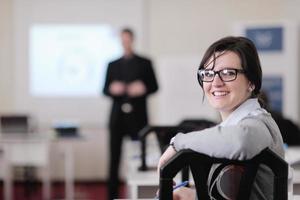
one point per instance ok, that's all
(209, 73)
(228, 72)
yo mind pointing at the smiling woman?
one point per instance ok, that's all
(230, 76)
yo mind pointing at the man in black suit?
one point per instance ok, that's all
(129, 80)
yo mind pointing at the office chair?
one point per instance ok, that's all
(165, 133)
(196, 124)
(200, 166)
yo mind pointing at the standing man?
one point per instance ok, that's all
(129, 80)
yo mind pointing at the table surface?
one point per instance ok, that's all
(292, 156)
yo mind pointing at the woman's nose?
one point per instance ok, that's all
(217, 81)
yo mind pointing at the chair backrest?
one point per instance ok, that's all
(165, 133)
(196, 124)
(200, 166)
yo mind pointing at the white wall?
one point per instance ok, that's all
(189, 27)
(6, 61)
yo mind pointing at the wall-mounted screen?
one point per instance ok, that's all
(70, 60)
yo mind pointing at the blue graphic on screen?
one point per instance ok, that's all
(70, 60)
(266, 39)
(272, 86)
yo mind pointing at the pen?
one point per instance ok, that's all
(182, 184)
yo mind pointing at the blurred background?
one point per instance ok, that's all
(53, 58)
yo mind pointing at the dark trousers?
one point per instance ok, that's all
(120, 128)
(116, 140)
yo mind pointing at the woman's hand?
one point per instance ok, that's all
(184, 193)
(170, 152)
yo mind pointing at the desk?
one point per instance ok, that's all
(142, 184)
(25, 150)
(292, 156)
(33, 150)
(138, 180)
(67, 150)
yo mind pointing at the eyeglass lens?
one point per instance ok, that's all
(224, 74)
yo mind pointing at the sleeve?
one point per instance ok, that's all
(241, 142)
(150, 78)
(108, 80)
(111, 76)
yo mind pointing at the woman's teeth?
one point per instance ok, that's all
(220, 93)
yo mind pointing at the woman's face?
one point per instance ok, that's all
(227, 96)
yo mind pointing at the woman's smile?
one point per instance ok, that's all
(220, 93)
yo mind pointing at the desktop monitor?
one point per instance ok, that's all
(14, 124)
(66, 130)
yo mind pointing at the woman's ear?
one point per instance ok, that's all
(251, 87)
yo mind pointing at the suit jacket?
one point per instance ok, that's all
(129, 70)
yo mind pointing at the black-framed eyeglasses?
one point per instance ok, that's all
(226, 75)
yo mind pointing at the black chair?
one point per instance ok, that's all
(200, 166)
(196, 124)
(165, 133)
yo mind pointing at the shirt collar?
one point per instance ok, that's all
(246, 108)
